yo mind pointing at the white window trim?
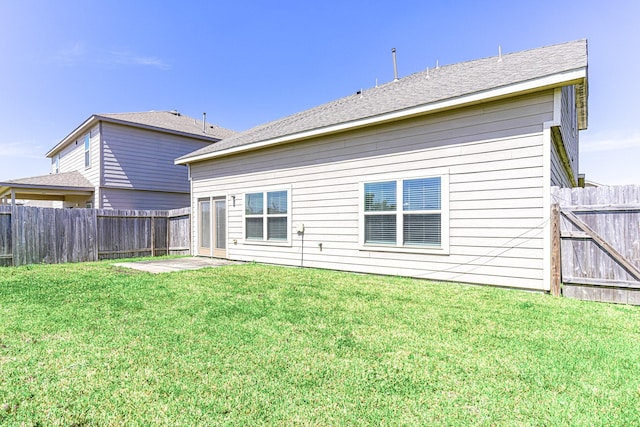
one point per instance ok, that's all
(443, 249)
(265, 242)
(56, 163)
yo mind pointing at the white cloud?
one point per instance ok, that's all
(79, 53)
(71, 55)
(130, 58)
(22, 150)
(611, 158)
(611, 141)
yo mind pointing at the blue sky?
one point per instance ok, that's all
(245, 63)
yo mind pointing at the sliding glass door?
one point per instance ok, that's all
(212, 227)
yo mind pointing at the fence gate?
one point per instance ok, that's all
(600, 243)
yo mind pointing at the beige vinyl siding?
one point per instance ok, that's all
(144, 159)
(494, 157)
(72, 156)
(113, 198)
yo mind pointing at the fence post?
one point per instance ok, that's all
(13, 232)
(153, 234)
(556, 260)
(15, 261)
(168, 233)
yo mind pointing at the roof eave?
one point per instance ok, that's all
(7, 187)
(572, 77)
(70, 137)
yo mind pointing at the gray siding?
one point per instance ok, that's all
(569, 127)
(494, 155)
(113, 198)
(566, 139)
(559, 177)
(143, 159)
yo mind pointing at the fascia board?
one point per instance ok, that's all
(36, 187)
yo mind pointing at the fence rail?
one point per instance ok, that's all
(30, 235)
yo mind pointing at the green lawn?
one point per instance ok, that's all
(92, 344)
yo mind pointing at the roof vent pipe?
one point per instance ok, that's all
(395, 65)
(204, 122)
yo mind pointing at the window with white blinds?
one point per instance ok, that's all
(403, 212)
(421, 212)
(380, 217)
(266, 216)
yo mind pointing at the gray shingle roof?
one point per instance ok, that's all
(66, 179)
(170, 120)
(422, 88)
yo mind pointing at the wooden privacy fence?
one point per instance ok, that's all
(30, 235)
(600, 242)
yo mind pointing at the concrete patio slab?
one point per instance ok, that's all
(175, 264)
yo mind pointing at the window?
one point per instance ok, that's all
(408, 214)
(267, 216)
(87, 151)
(380, 217)
(55, 163)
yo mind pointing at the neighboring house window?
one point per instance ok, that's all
(267, 216)
(408, 213)
(87, 151)
(56, 163)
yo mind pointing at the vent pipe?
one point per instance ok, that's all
(204, 122)
(395, 65)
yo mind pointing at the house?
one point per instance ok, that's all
(120, 161)
(445, 174)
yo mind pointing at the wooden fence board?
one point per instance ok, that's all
(600, 242)
(6, 254)
(31, 235)
(179, 231)
(604, 243)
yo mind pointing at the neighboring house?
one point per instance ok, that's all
(120, 161)
(444, 174)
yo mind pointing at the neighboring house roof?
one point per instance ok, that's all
(65, 179)
(162, 121)
(47, 187)
(424, 92)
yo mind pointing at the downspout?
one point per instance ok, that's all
(192, 224)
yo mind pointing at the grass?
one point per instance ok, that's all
(92, 344)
